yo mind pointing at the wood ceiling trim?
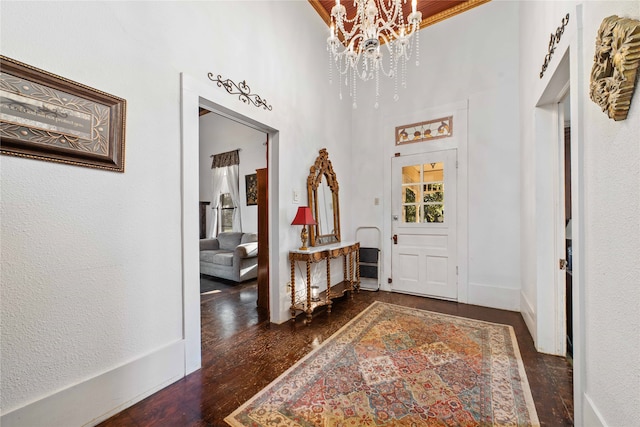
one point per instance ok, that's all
(451, 12)
(326, 16)
(429, 20)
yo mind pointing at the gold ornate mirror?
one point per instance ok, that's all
(322, 190)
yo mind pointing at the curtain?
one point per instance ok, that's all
(224, 173)
(233, 182)
(217, 181)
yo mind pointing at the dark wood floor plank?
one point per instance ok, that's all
(242, 353)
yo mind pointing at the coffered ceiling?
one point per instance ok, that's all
(432, 10)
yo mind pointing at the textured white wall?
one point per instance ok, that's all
(219, 134)
(91, 260)
(611, 195)
(479, 65)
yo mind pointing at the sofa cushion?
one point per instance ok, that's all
(223, 258)
(209, 244)
(218, 257)
(208, 256)
(229, 240)
(249, 238)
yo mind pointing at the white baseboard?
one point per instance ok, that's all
(494, 297)
(529, 315)
(592, 417)
(100, 397)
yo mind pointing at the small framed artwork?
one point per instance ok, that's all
(47, 117)
(251, 182)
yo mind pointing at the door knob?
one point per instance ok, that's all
(395, 239)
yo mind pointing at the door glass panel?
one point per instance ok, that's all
(423, 193)
(433, 172)
(411, 194)
(410, 213)
(433, 213)
(433, 192)
(411, 174)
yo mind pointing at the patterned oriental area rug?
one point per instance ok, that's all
(399, 366)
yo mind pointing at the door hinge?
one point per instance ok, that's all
(562, 264)
(456, 270)
(456, 164)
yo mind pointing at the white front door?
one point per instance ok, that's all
(423, 255)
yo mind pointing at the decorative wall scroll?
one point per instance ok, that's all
(615, 65)
(425, 131)
(243, 91)
(47, 117)
(555, 39)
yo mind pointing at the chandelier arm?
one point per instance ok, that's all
(386, 74)
(393, 11)
(347, 35)
(386, 40)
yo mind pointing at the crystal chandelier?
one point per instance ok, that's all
(357, 51)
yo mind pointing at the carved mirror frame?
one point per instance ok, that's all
(323, 168)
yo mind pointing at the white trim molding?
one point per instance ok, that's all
(105, 394)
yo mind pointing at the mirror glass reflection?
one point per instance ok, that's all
(322, 190)
(325, 209)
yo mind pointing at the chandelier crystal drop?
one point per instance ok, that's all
(357, 45)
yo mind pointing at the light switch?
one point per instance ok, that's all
(296, 196)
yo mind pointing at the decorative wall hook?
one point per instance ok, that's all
(241, 89)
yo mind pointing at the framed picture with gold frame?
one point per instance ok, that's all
(47, 117)
(251, 182)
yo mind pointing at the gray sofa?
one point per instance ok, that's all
(232, 256)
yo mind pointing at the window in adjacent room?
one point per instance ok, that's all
(226, 213)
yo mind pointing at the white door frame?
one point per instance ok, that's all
(459, 111)
(568, 71)
(560, 230)
(201, 93)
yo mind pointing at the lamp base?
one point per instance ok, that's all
(303, 237)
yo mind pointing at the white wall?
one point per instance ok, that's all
(219, 134)
(612, 227)
(472, 59)
(91, 260)
(606, 182)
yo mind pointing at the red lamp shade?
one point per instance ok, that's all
(304, 217)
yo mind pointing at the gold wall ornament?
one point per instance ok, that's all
(615, 65)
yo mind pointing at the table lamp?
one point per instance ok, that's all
(304, 218)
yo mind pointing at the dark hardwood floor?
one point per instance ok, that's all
(242, 353)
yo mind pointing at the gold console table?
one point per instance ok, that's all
(351, 260)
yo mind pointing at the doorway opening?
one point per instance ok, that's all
(220, 293)
(559, 210)
(564, 147)
(195, 94)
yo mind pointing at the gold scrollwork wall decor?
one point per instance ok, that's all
(615, 65)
